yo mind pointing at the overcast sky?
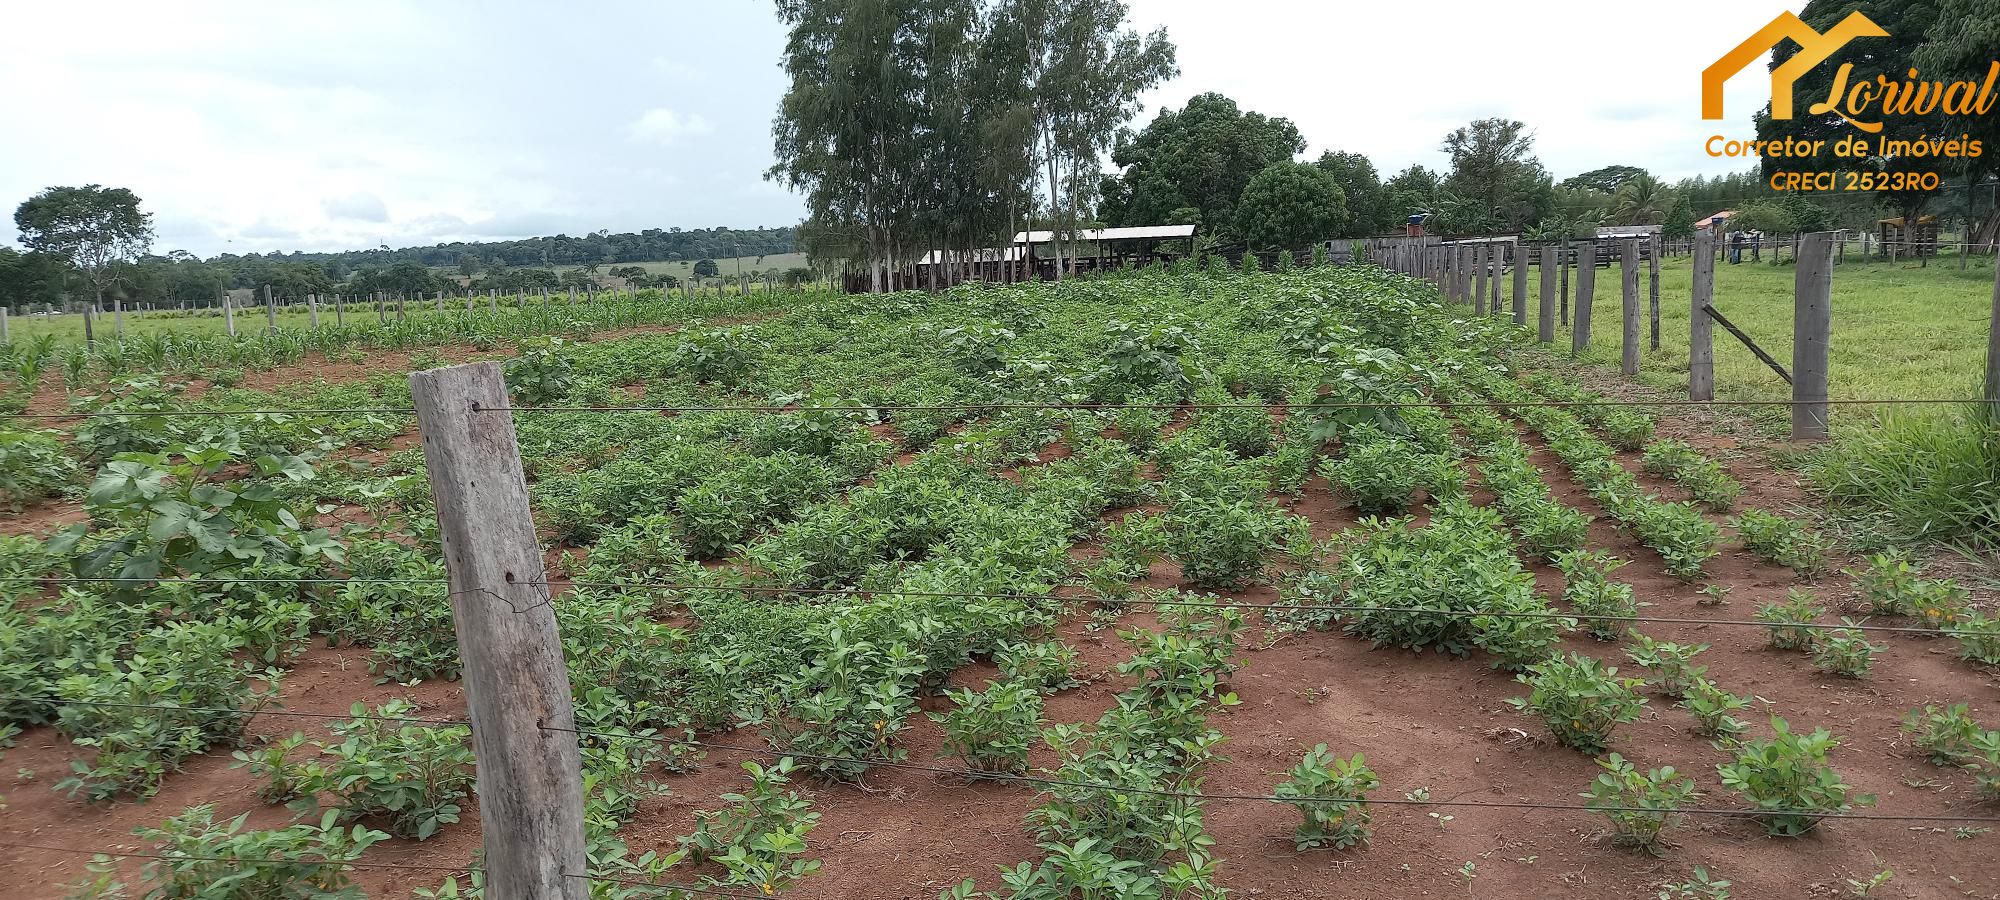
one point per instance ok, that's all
(262, 126)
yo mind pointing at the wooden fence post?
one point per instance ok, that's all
(1545, 331)
(1586, 291)
(6, 336)
(312, 309)
(1991, 411)
(1701, 331)
(1812, 332)
(1520, 284)
(1653, 290)
(228, 313)
(1628, 266)
(270, 309)
(516, 685)
(492, 302)
(1480, 256)
(339, 311)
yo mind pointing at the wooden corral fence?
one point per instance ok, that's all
(1476, 273)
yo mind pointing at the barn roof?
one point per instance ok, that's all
(1140, 233)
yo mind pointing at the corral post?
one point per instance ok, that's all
(1628, 264)
(270, 309)
(1586, 291)
(402, 314)
(516, 684)
(1520, 284)
(1812, 331)
(1479, 279)
(228, 313)
(1701, 331)
(339, 311)
(1546, 321)
(1990, 412)
(1653, 290)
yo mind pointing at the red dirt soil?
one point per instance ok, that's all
(1422, 720)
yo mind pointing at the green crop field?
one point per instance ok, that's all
(976, 560)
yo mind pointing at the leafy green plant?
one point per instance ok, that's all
(1580, 699)
(1045, 666)
(1380, 474)
(991, 730)
(1886, 582)
(1711, 707)
(1845, 652)
(1701, 886)
(1784, 541)
(1710, 485)
(1671, 665)
(1640, 805)
(1220, 542)
(848, 706)
(1978, 636)
(1788, 621)
(203, 858)
(1939, 602)
(1945, 733)
(1788, 774)
(541, 373)
(758, 838)
(1331, 794)
(1605, 607)
(32, 466)
(410, 776)
(279, 765)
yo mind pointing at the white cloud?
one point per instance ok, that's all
(664, 126)
(361, 207)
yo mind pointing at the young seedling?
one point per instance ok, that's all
(1787, 620)
(1580, 699)
(1671, 665)
(1845, 652)
(1789, 775)
(1640, 805)
(1331, 794)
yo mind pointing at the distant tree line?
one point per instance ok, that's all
(93, 243)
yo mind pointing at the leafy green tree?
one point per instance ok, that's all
(1606, 180)
(30, 278)
(1961, 46)
(468, 264)
(706, 268)
(1767, 217)
(1493, 166)
(1908, 22)
(93, 228)
(1680, 222)
(1641, 200)
(1199, 157)
(1290, 205)
(1370, 209)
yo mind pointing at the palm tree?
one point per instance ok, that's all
(1642, 200)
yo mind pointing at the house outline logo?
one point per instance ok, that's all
(1814, 48)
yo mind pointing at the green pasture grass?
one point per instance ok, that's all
(1899, 330)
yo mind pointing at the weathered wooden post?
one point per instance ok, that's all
(1653, 289)
(1812, 333)
(340, 311)
(439, 301)
(1628, 264)
(270, 309)
(1546, 323)
(6, 335)
(1586, 292)
(118, 317)
(312, 310)
(492, 302)
(1520, 284)
(228, 313)
(1479, 260)
(529, 769)
(1701, 331)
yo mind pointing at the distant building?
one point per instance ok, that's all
(1714, 222)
